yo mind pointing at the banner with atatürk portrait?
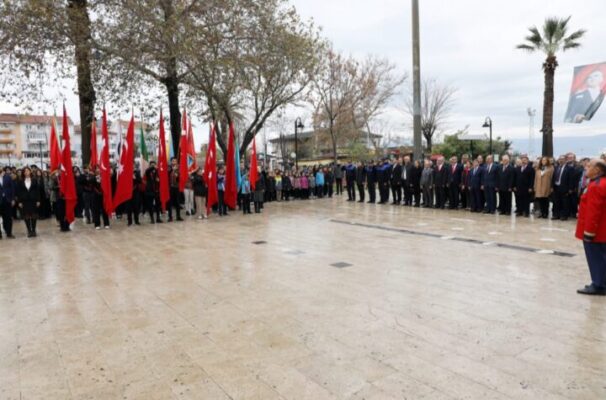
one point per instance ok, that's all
(587, 92)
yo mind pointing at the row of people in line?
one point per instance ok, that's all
(479, 185)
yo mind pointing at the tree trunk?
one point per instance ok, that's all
(428, 139)
(171, 82)
(549, 68)
(172, 88)
(79, 24)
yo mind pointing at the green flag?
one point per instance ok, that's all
(143, 150)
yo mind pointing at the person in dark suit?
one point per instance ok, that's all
(28, 200)
(371, 181)
(384, 173)
(489, 184)
(407, 171)
(440, 182)
(395, 180)
(563, 187)
(350, 181)
(505, 177)
(414, 180)
(7, 202)
(475, 187)
(466, 185)
(455, 171)
(133, 206)
(523, 187)
(360, 180)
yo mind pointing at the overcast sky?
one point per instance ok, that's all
(466, 43)
(471, 44)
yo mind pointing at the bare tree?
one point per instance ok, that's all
(348, 94)
(437, 101)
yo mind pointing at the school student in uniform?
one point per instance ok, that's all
(28, 199)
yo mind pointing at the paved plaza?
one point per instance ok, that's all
(315, 300)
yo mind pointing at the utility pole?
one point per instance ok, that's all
(416, 82)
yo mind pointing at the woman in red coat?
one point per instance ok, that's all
(591, 227)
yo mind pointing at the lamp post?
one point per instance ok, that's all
(298, 125)
(488, 124)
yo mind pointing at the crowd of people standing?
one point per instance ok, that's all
(478, 185)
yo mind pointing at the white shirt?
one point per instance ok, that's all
(28, 183)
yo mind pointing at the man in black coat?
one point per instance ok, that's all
(563, 187)
(7, 202)
(350, 181)
(523, 187)
(455, 171)
(360, 180)
(371, 181)
(440, 182)
(395, 180)
(407, 180)
(489, 184)
(384, 173)
(475, 186)
(505, 178)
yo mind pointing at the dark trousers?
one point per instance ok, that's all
(133, 206)
(476, 199)
(384, 192)
(596, 260)
(453, 196)
(328, 187)
(221, 205)
(440, 196)
(6, 210)
(396, 192)
(427, 196)
(87, 200)
(523, 202)
(339, 182)
(544, 206)
(60, 214)
(30, 224)
(174, 202)
(505, 201)
(408, 192)
(99, 211)
(561, 204)
(491, 198)
(416, 190)
(372, 192)
(465, 197)
(246, 203)
(152, 205)
(351, 191)
(361, 192)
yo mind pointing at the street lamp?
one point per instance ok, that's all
(298, 125)
(488, 124)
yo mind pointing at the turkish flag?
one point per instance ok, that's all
(105, 168)
(210, 170)
(183, 170)
(254, 175)
(192, 164)
(231, 190)
(67, 185)
(163, 166)
(55, 150)
(93, 146)
(124, 180)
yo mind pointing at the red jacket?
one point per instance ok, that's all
(592, 211)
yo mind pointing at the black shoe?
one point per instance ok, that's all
(137, 223)
(10, 237)
(129, 224)
(564, 219)
(180, 219)
(159, 221)
(592, 290)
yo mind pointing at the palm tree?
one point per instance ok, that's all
(552, 40)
